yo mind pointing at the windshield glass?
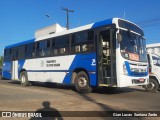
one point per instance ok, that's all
(156, 60)
(133, 46)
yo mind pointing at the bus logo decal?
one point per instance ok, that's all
(93, 62)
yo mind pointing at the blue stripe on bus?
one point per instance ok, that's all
(21, 43)
(83, 61)
(134, 74)
(6, 75)
(128, 68)
(6, 71)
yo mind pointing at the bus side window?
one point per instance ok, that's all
(82, 41)
(15, 54)
(40, 47)
(90, 35)
(62, 50)
(55, 51)
(29, 49)
(48, 48)
(84, 47)
(21, 52)
(62, 43)
(88, 45)
(77, 48)
(7, 55)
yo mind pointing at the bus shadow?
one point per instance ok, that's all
(99, 90)
(54, 85)
(109, 108)
(46, 85)
(110, 91)
(13, 81)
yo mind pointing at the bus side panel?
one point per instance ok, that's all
(59, 69)
(49, 69)
(29, 66)
(20, 66)
(83, 61)
(6, 72)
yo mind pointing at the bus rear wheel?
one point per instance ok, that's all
(82, 83)
(24, 79)
(152, 86)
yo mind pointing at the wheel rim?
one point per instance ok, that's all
(23, 79)
(150, 86)
(82, 82)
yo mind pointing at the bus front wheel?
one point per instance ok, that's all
(24, 79)
(82, 83)
(152, 86)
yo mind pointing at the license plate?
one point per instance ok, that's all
(141, 80)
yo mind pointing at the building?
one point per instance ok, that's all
(49, 30)
(153, 48)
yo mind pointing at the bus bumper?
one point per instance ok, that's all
(125, 81)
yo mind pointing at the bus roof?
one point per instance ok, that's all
(20, 43)
(89, 26)
(85, 27)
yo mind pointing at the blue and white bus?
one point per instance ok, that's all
(109, 53)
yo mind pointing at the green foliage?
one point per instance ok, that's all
(1, 61)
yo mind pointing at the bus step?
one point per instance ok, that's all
(105, 80)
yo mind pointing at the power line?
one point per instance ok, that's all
(149, 22)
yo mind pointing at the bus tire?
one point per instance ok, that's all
(152, 86)
(82, 83)
(24, 79)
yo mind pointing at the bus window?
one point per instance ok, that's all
(62, 41)
(90, 35)
(55, 51)
(77, 48)
(40, 48)
(7, 55)
(29, 49)
(62, 50)
(82, 42)
(84, 47)
(21, 52)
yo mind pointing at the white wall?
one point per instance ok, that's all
(154, 48)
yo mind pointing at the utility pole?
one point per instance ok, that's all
(67, 11)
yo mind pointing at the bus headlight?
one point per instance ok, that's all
(125, 72)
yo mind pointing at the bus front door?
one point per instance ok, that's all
(106, 57)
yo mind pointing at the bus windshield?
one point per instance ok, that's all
(133, 46)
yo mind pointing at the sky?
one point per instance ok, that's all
(19, 19)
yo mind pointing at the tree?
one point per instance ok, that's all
(1, 61)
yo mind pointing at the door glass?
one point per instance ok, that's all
(104, 57)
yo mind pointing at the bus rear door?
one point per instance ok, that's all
(14, 63)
